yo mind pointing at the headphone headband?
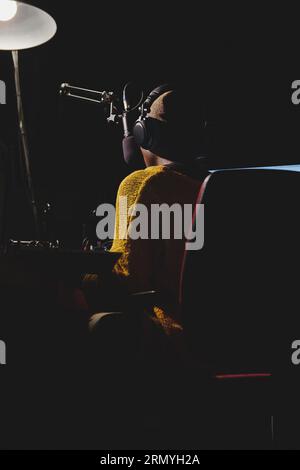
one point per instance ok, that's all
(160, 90)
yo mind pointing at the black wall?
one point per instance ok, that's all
(242, 62)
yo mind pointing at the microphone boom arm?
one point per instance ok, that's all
(103, 97)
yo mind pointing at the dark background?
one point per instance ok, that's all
(242, 61)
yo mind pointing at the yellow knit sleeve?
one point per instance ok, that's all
(140, 258)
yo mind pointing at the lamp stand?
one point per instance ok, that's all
(24, 143)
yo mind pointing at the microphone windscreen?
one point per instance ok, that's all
(132, 153)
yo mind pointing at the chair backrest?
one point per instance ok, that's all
(3, 192)
(239, 291)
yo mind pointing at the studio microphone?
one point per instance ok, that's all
(132, 153)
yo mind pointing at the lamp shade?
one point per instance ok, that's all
(23, 26)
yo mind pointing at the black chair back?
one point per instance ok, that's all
(240, 292)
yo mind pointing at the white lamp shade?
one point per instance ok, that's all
(29, 26)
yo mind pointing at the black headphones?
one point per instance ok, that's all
(149, 133)
(158, 136)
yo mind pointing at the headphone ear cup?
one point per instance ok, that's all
(149, 133)
(141, 134)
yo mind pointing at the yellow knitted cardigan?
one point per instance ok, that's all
(153, 264)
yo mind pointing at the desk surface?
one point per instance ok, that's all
(25, 263)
